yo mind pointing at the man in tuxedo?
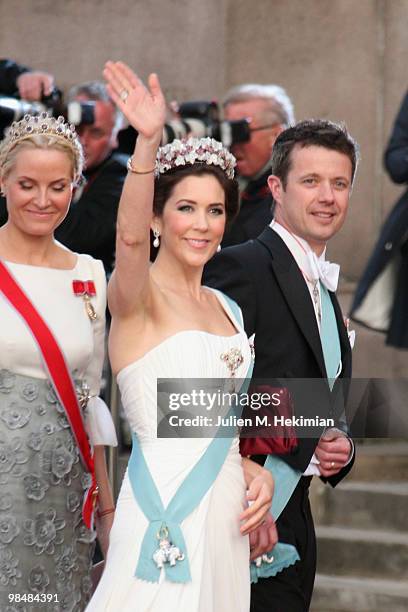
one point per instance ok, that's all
(286, 291)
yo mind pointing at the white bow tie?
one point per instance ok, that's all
(326, 272)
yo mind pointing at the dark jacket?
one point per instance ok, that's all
(9, 73)
(90, 226)
(262, 276)
(393, 239)
(255, 212)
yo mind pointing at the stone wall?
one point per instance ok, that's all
(339, 59)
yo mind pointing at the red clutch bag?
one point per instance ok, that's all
(268, 435)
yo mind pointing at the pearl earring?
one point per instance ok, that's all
(156, 241)
(218, 248)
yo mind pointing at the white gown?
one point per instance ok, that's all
(218, 554)
(44, 545)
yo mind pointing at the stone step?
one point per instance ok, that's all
(347, 594)
(362, 552)
(365, 505)
(380, 461)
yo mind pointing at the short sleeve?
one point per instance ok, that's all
(92, 269)
(98, 421)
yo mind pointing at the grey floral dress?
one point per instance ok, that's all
(45, 548)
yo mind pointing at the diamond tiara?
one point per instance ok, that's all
(45, 125)
(194, 150)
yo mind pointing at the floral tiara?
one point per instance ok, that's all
(194, 150)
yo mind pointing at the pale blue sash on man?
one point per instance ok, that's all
(329, 335)
(285, 477)
(187, 497)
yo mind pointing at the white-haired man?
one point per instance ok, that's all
(269, 110)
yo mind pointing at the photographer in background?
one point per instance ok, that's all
(269, 111)
(90, 226)
(22, 82)
(18, 81)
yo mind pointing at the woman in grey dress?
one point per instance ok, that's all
(45, 546)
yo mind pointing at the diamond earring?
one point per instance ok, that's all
(156, 241)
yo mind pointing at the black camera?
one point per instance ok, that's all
(198, 119)
(201, 119)
(78, 113)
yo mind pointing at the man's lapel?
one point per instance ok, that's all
(343, 335)
(295, 291)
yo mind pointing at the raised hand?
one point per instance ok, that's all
(144, 108)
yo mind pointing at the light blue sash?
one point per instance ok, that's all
(284, 555)
(285, 477)
(187, 497)
(329, 335)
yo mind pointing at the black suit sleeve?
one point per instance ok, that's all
(9, 73)
(396, 154)
(334, 480)
(226, 273)
(90, 226)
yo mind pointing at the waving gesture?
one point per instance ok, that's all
(145, 108)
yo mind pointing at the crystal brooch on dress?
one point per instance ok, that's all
(233, 359)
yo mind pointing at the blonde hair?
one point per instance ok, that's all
(41, 132)
(36, 141)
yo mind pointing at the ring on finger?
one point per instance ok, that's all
(124, 94)
(332, 464)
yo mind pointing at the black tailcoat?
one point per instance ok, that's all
(264, 279)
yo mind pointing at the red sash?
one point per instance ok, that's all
(60, 376)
